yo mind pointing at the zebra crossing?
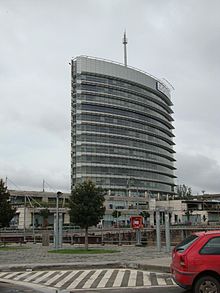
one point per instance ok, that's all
(90, 279)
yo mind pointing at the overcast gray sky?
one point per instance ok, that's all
(174, 39)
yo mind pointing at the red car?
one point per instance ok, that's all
(196, 262)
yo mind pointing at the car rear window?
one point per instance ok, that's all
(187, 242)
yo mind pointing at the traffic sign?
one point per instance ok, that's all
(136, 222)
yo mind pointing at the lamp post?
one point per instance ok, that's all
(56, 222)
(33, 226)
(25, 203)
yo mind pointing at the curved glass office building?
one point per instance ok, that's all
(121, 128)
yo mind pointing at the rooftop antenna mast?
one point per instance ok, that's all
(125, 41)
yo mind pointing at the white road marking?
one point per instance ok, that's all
(89, 282)
(3, 273)
(77, 280)
(119, 278)
(66, 279)
(33, 276)
(146, 279)
(132, 279)
(22, 275)
(41, 278)
(59, 274)
(84, 279)
(161, 281)
(105, 279)
(11, 275)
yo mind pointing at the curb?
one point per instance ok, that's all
(147, 267)
(155, 268)
(74, 266)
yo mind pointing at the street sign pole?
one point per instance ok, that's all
(137, 224)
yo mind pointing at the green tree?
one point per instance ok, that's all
(7, 212)
(116, 214)
(188, 213)
(184, 191)
(44, 213)
(86, 206)
(145, 215)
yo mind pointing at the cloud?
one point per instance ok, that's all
(177, 40)
(198, 172)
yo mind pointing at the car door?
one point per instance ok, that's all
(209, 254)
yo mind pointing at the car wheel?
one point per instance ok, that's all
(207, 284)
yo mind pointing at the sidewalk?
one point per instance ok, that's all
(36, 257)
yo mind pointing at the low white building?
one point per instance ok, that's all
(196, 211)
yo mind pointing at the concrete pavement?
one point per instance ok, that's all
(36, 257)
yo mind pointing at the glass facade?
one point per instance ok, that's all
(122, 135)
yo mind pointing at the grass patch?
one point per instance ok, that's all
(83, 251)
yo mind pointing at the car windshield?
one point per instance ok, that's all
(182, 246)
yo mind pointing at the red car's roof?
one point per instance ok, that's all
(207, 232)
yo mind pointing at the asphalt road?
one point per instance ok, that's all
(11, 288)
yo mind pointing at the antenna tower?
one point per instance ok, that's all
(125, 41)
